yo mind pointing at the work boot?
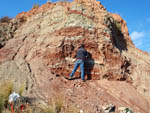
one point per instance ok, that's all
(83, 80)
(70, 78)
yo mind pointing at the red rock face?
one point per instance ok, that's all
(45, 46)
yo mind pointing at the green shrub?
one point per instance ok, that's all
(118, 25)
(35, 6)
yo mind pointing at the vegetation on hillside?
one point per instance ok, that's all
(6, 89)
(5, 19)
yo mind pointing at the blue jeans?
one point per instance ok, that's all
(78, 63)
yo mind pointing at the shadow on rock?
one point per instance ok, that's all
(118, 38)
(89, 64)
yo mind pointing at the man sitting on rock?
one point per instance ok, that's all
(80, 60)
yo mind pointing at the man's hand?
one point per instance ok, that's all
(74, 60)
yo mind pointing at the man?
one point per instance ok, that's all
(80, 60)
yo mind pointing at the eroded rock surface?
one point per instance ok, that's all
(8, 28)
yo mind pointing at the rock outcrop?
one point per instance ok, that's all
(42, 50)
(8, 28)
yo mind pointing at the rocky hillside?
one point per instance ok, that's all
(41, 51)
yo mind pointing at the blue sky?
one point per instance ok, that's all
(134, 12)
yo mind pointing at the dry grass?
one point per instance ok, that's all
(35, 6)
(1, 104)
(72, 109)
(6, 89)
(55, 105)
(21, 89)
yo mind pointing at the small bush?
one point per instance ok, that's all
(58, 104)
(118, 25)
(73, 109)
(6, 89)
(35, 6)
(21, 89)
(5, 19)
(1, 104)
(55, 106)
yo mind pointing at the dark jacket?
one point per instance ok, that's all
(81, 54)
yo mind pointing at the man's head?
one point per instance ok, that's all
(82, 46)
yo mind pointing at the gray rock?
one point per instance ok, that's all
(124, 110)
(109, 108)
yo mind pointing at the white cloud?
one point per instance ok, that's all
(138, 43)
(141, 40)
(137, 35)
(137, 38)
